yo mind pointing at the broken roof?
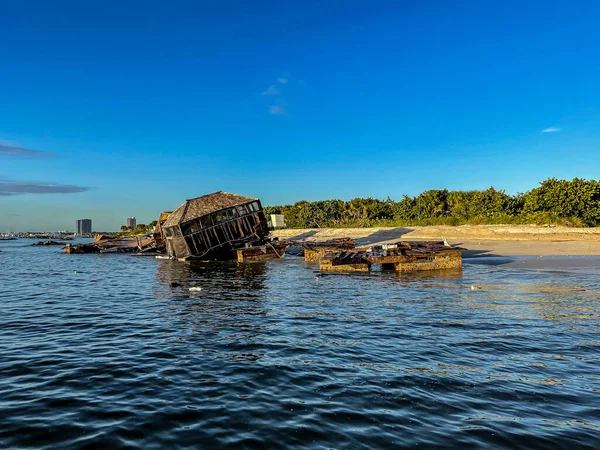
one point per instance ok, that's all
(206, 204)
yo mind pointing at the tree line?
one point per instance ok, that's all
(560, 202)
(140, 228)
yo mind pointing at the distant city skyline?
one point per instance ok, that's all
(287, 101)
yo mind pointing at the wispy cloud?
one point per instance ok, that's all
(271, 90)
(277, 110)
(10, 187)
(551, 130)
(11, 150)
(277, 92)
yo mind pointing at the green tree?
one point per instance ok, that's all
(554, 201)
(578, 198)
(491, 203)
(405, 209)
(432, 203)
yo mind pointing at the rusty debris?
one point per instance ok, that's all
(401, 257)
(315, 250)
(270, 250)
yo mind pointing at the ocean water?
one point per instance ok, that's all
(115, 351)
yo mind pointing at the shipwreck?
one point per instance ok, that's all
(216, 226)
(225, 226)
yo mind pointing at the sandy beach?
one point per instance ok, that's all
(477, 240)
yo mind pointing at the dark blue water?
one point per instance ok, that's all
(265, 356)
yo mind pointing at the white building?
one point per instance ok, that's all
(277, 221)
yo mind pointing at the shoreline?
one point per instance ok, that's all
(476, 240)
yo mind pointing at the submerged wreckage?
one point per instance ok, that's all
(228, 226)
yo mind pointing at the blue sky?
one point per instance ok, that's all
(132, 107)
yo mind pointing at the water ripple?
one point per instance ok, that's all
(115, 351)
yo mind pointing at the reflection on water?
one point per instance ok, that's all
(229, 297)
(213, 277)
(113, 351)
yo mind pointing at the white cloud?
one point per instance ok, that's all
(271, 90)
(277, 91)
(551, 130)
(277, 110)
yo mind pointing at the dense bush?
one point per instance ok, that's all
(572, 203)
(141, 228)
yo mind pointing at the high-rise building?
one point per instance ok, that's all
(131, 222)
(84, 226)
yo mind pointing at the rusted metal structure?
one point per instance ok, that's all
(315, 250)
(401, 257)
(270, 250)
(214, 225)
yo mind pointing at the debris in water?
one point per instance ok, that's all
(128, 244)
(47, 243)
(476, 287)
(214, 226)
(402, 257)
